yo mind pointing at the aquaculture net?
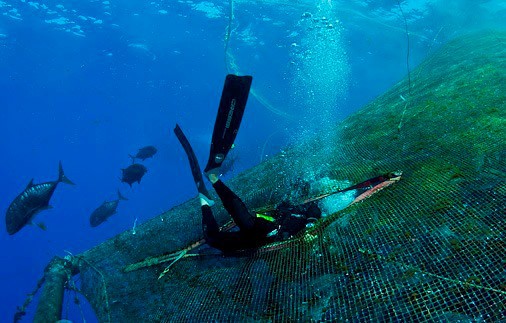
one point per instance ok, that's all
(431, 247)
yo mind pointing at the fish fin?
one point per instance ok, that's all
(62, 177)
(42, 226)
(29, 184)
(121, 197)
(133, 158)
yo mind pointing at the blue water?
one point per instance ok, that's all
(90, 82)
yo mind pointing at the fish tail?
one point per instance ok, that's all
(121, 197)
(133, 158)
(62, 177)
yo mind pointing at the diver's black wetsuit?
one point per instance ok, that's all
(254, 231)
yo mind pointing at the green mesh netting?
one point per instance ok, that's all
(430, 247)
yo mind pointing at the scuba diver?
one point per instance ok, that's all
(255, 230)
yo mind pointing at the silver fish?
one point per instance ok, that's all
(104, 211)
(133, 173)
(34, 199)
(144, 153)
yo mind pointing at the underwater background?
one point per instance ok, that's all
(89, 83)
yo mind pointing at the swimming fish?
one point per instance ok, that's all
(144, 153)
(106, 210)
(133, 173)
(34, 199)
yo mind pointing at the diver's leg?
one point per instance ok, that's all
(225, 241)
(209, 225)
(234, 205)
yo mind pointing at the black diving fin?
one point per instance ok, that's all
(192, 159)
(232, 104)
